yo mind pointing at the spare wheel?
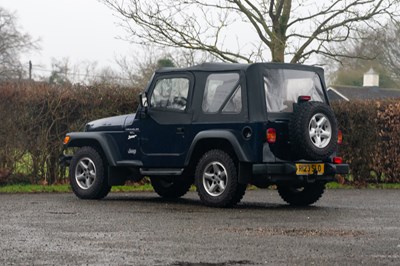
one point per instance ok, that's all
(313, 131)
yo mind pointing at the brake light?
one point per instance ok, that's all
(271, 135)
(340, 137)
(337, 160)
(303, 98)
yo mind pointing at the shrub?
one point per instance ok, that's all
(371, 131)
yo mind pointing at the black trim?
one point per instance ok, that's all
(341, 169)
(218, 134)
(129, 163)
(163, 172)
(215, 67)
(290, 169)
(274, 169)
(103, 139)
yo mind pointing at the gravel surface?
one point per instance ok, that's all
(344, 227)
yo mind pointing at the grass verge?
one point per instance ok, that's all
(34, 188)
(147, 187)
(65, 188)
(334, 185)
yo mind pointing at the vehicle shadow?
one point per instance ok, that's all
(192, 202)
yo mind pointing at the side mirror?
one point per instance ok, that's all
(143, 100)
(143, 104)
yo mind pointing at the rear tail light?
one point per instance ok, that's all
(271, 135)
(303, 98)
(337, 160)
(340, 137)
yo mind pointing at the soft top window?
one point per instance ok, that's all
(222, 88)
(284, 86)
(170, 93)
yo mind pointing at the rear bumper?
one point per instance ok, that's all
(268, 174)
(288, 169)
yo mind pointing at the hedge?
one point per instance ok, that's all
(371, 131)
(34, 117)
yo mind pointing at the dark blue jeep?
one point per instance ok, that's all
(220, 127)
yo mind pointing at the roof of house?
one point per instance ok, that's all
(336, 92)
(371, 71)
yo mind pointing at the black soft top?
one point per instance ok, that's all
(254, 80)
(221, 67)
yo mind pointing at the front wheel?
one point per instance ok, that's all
(301, 195)
(217, 181)
(87, 174)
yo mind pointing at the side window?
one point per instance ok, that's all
(220, 89)
(234, 105)
(170, 93)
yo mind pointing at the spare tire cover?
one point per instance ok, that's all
(313, 131)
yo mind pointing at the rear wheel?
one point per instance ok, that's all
(170, 187)
(301, 195)
(217, 181)
(87, 174)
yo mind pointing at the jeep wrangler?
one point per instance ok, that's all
(218, 126)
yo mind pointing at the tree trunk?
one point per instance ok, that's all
(280, 18)
(278, 51)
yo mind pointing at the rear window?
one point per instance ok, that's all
(283, 87)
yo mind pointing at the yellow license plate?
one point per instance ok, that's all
(310, 169)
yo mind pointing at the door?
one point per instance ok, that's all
(164, 128)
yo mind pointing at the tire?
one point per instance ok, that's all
(217, 181)
(301, 195)
(313, 131)
(170, 187)
(87, 174)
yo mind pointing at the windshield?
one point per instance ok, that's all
(284, 86)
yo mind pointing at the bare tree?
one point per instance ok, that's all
(137, 70)
(60, 72)
(378, 49)
(283, 30)
(13, 42)
(389, 49)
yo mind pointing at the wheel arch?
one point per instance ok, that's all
(100, 142)
(215, 139)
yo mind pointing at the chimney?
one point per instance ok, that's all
(371, 78)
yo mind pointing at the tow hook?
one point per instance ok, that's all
(312, 178)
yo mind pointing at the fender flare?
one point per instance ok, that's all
(218, 134)
(105, 142)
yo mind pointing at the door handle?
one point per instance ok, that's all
(180, 130)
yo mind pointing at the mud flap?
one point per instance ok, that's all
(244, 173)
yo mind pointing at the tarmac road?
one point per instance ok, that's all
(344, 227)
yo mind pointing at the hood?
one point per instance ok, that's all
(114, 123)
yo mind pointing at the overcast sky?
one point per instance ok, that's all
(82, 30)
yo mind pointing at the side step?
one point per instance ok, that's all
(129, 163)
(161, 171)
